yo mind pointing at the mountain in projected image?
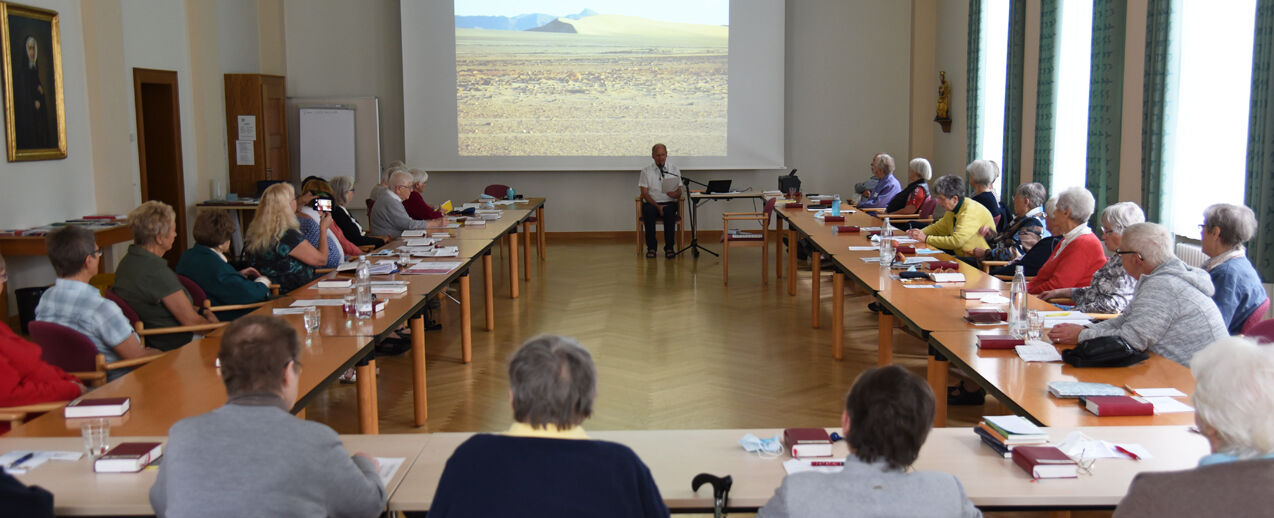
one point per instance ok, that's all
(599, 85)
(520, 22)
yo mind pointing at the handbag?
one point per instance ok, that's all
(1104, 351)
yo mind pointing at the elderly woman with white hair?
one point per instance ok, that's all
(1111, 287)
(1171, 312)
(916, 192)
(1079, 254)
(982, 177)
(1021, 234)
(415, 203)
(393, 167)
(959, 229)
(878, 197)
(1233, 399)
(1238, 287)
(388, 216)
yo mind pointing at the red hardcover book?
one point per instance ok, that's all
(847, 228)
(942, 265)
(999, 342)
(1117, 405)
(906, 249)
(1045, 462)
(128, 457)
(793, 206)
(99, 407)
(985, 315)
(808, 442)
(832, 219)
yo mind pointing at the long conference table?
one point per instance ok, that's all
(935, 312)
(674, 457)
(185, 382)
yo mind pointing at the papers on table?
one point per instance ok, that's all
(451, 225)
(920, 285)
(1156, 392)
(863, 248)
(388, 466)
(417, 233)
(870, 259)
(444, 251)
(440, 235)
(381, 267)
(995, 299)
(501, 202)
(432, 268)
(918, 260)
(1055, 318)
(289, 311)
(424, 241)
(1038, 351)
(1081, 447)
(819, 465)
(37, 458)
(333, 284)
(1014, 424)
(928, 251)
(1167, 405)
(301, 303)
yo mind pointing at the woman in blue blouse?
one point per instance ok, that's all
(1238, 287)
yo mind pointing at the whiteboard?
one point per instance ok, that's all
(366, 138)
(327, 142)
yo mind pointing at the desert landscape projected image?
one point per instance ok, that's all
(609, 79)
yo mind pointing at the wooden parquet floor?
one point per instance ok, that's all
(674, 348)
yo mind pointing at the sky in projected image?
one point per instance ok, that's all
(593, 78)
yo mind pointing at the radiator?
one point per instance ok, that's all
(1192, 254)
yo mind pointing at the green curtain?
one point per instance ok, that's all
(1158, 107)
(1011, 164)
(974, 67)
(1106, 101)
(1046, 96)
(1260, 142)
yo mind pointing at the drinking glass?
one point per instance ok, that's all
(404, 258)
(791, 193)
(97, 436)
(311, 319)
(348, 302)
(1034, 325)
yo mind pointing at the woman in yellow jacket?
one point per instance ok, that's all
(960, 229)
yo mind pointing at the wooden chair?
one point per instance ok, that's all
(75, 353)
(142, 332)
(200, 297)
(749, 239)
(680, 227)
(16, 415)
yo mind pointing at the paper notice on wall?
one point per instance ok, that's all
(247, 127)
(243, 152)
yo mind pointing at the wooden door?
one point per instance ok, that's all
(274, 127)
(159, 146)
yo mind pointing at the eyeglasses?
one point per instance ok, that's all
(4, 276)
(1126, 252)
(97, 253)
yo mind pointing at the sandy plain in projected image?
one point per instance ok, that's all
(614, 89)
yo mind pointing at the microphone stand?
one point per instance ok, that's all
(692, 208)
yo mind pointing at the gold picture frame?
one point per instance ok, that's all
(34, 116)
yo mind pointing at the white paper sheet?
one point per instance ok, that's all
(1037, 351)
(918, 260)
(416, 233)
(1167, 405)
(863, 248)
(389, 466)
(289, 311)
(300, 303)
(37, 458)
(427, 241)
(870, 259)
(1157, 392)
(920, 285)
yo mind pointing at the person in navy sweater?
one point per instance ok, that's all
(545, 464)
(1238, 287)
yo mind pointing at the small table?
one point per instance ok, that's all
(34, 245)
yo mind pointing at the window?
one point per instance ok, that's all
(1070, 133)
(994, 43)
(1207, 158)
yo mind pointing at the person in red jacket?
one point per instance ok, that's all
(1080, 253)
(415, 203)
(24, 378)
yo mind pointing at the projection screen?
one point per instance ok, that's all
(566, 85)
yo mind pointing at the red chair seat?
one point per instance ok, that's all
(64, 347)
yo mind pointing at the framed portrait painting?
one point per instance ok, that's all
(34, 118)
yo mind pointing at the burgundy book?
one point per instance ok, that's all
(906, 249)
(793, 206)
(848, 228)
(942, 265)
(831, 219)
(999, 342)
(128, 457)
(97, 407)
(808, 442)
(1117, 405)
(1045, 462)
(985, 315)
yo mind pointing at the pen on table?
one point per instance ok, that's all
(1125, 451)
(21, 459)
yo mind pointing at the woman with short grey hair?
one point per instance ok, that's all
(1111, 287)
(982, 177)
(916, 192)
(342, 196)
(1079, 254)
(1239, 293)
(415, 203)
(1021, 234)
(546, 453)
(958, 230)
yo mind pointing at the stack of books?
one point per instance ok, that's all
(1002, 433)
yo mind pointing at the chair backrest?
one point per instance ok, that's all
(197, 295)
(926, 208)
(769, 207)
(1257, 315)
(128, 310)
(64, 347)
(496, 190)
(369, 202)
(1263, 331)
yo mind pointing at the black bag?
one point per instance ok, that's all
(1104, 351)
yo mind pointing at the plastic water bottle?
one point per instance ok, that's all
(511, 194)
(363, 288)
(1017, 305)
(836, 205)
(886, 245)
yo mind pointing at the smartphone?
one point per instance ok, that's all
(323, 205)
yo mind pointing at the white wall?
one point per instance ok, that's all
(41, 192)
(949, 148)
(846, 99)
(238, 37)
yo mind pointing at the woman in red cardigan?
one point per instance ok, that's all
(24, 378)
(1079, 254)
(415, 203)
